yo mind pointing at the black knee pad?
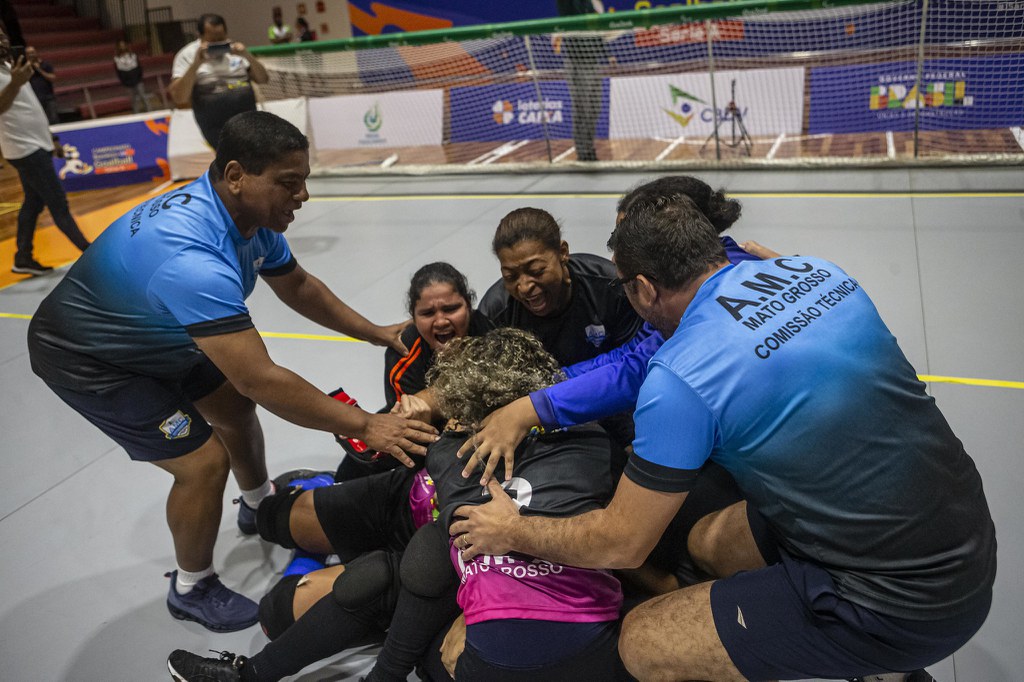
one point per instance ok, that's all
(427, 569)
(273, 517)
(276, 607)
(369, 582)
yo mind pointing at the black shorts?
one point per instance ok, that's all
(152, 419)
(787, 621)
(367, 513)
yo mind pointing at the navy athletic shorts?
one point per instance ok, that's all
(787, 621)
(152, 419)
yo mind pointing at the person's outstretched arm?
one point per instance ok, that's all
(310, 297)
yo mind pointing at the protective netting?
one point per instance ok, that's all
(882, 82)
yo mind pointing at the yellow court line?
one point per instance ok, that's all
(310, 337)
(927, 378)
(737, 195)
(994, 383)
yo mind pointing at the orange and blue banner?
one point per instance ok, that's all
(105, 154)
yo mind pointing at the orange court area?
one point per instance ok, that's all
(53, 248)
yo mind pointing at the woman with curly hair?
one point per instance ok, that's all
(526, 620)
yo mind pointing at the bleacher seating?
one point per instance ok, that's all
(82, 53)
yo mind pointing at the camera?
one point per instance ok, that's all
(17, 52)
(218, 50)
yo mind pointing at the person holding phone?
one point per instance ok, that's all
(26, 142)
(214, 75)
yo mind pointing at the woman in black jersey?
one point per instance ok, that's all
(573, 612)
(566, 300)
(440, 304)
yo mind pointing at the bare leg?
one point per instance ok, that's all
(305, 526)
(233, 418)
(313, 587)
(194, 502)
(673, 637)
(722, 543)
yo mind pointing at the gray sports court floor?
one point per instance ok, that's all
(84, 544)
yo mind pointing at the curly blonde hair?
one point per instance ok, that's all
(473, 376)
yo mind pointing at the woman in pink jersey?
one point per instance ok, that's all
(526, 619)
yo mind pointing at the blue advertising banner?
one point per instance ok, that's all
(112, 154)
(501, 113)
(372, 17)
(955, 94)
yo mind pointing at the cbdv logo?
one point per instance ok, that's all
(936, 94)
(682, 113)
(686, 105)
(528, 112)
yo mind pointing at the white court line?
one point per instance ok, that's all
(668, 150)
(511, 148)
(486, 154)
(775, 147)
(1018, 135)
(890, 145)
(564, 154)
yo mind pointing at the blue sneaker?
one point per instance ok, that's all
(212, 605)
(246, 517)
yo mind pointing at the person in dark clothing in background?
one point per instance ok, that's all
(584, 56)
(42, 81)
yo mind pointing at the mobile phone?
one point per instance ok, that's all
(17, 51)
(218, 49)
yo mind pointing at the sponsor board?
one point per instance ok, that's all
(497, 113)
(118, 151)
(387, 119)
(681, 34)
(187, 151)
(953, 94)
(770, 102)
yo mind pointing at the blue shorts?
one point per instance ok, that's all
(787, 621)
(152, 419)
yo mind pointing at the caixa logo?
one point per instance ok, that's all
(527, 112)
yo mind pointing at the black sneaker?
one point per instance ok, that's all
(186, 666)
(29, 266)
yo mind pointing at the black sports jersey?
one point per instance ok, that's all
(597, 319)
(407, 374)
(556, 474)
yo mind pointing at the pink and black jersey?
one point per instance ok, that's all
(559, 474)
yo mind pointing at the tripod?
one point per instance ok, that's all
(739, 131)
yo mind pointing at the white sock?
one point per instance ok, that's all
(186, 580)
(255, 496)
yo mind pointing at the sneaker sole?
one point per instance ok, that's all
(29, 271)
(174, 673)
(185, 615)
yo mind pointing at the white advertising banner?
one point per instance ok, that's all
(386, 119)
(770, 102)
(189, 155)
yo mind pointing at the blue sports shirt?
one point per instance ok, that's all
(173, 268)
(783, 372)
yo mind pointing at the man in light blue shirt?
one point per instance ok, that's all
(149, 338)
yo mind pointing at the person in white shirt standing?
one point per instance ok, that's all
(129, 72)
(214, 76)
(26, 142)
